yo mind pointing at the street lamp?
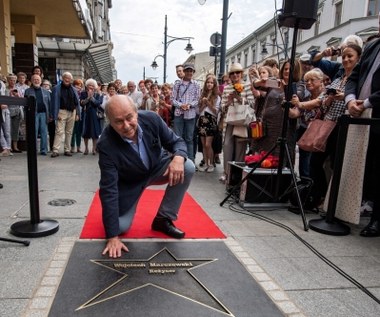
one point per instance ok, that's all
(167, 40)
(154, 63)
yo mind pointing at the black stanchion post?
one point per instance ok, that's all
(35, 227)
(330, 225)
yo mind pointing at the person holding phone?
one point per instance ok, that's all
(332, 107)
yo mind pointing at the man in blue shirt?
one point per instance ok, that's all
(136, 150)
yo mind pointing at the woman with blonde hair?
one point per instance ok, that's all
(90, 100)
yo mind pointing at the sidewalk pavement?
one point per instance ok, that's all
(298, 281)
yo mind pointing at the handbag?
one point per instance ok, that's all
(257, 129)
(315, 137)
(240, 114)
(100, 113)
(240, 131)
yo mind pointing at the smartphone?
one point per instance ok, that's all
(331, 91)
(272, 83)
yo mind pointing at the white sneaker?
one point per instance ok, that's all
(202, 168)
(222, 179)
(210, 169)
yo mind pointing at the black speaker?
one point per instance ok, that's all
(298, 13)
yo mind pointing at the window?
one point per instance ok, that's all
(100, 27)
(299, 38)
(253, 54)
(49, 67)
(245, 58)
(338, 13)
(239, 58)
(101, 8)
(317, 23)
(373, 7)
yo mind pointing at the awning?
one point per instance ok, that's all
(100, 61)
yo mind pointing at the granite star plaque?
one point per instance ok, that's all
(168, 279)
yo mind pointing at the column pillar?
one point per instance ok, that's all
(5, 38)
(26, 51)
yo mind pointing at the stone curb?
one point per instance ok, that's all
(273, 290)
(39, 305)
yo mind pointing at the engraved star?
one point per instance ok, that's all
(162, 271)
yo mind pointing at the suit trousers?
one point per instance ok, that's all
(172, 199)
(64, 128)
(373, 159)
(41, 128)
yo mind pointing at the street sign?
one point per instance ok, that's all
(216, 39)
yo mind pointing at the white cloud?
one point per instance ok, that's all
(137, 30)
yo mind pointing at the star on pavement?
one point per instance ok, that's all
(162, 271)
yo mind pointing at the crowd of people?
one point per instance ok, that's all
(75, 109)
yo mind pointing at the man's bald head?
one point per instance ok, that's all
(122, 115)
(118, 102)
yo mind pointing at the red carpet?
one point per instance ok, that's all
(192, 219)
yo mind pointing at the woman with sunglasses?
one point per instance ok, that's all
(234, 147)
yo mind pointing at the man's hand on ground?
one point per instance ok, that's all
(114, 247)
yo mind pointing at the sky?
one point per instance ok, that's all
(137, 31)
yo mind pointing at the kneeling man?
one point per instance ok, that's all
(137, 149)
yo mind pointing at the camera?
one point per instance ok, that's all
(331, 91)
(336, 51)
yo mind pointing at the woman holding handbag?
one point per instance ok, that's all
(332, 108)
(234, 147)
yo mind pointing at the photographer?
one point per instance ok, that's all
(333, 69)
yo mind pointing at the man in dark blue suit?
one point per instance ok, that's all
(137, 149)
(363, 91)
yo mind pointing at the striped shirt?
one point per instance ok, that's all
(246, 94)
(186, 93)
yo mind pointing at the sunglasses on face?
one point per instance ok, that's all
(235, 73)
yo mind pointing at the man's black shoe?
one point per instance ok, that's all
(1, 186)
(372, 229)
(68, 154)
(166, 226)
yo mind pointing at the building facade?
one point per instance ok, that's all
(66, 35)
(336, 19)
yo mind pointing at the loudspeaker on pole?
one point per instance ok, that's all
(300, 13)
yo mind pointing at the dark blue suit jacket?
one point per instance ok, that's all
(123, 174)
(359, 74)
